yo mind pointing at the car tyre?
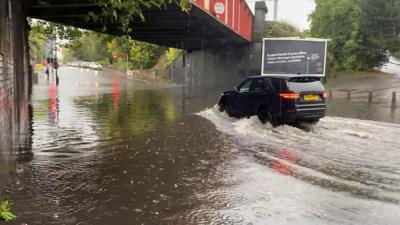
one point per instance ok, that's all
(222, 107)
(265, 116)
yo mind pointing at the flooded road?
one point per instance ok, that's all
(112, 150)
(345, 156)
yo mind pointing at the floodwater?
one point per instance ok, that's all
(113, 150)
(393, 66)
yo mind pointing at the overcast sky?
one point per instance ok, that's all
(293, 11)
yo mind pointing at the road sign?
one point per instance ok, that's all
(294, 56)
(49, 51)
(219, 8)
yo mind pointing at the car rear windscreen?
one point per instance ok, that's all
(305, 84)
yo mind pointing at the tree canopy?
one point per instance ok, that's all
(122, 51)
(92, 46)
(120, 12)
(362, 32)
(123, 12)
(40, 31)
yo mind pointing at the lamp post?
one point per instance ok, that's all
(275, 10)
(140, 62)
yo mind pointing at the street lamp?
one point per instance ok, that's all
(140, 61)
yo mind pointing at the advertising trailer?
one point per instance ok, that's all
(294, 56)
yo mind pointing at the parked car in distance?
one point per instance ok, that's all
(277, 100)
(95, 66)
(79, 64)
(86, 65)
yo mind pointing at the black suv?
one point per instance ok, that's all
(278, 100)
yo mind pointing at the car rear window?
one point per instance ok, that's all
(278, 84)
(305, 84)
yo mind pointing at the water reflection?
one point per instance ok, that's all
(53, 96)
(115, 93)
(137, 113)
(118, 154)
(282, 165)
(378, 110)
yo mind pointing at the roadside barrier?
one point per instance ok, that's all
(394, 99)
(349, 94)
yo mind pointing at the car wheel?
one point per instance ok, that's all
(266, 117)
(222, 107)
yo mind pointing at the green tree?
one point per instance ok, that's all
(91, 46)
(124, 12)
(36, 46)
(53, 30)
(120, 46)
(67, 55)
(362, 32)
(40, 31)
(145, 55)
(379, 31)
(172, 54)
(339, 20)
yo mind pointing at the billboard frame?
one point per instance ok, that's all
(294, 39)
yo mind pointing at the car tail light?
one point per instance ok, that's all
(325, 94)
(290, 95)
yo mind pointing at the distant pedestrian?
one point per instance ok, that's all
(47, 73)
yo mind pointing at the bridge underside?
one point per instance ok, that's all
(168, 26)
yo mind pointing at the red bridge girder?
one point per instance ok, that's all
(237, 15)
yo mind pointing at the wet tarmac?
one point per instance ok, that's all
(112, 150)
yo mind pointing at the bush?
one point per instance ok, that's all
(281, 29)
(5, 211)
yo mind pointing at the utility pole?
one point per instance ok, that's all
(140, 62)
(127, 61)
(275, 10)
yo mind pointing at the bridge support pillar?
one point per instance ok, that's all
(258, 34)
(14, 81)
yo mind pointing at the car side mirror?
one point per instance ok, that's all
(235, 89)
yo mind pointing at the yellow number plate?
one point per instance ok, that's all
(311, 97)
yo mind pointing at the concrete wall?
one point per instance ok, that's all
(14, 81)
(211, 68)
